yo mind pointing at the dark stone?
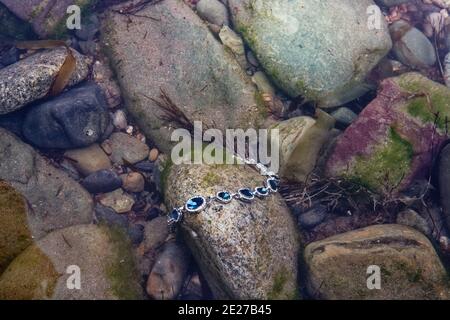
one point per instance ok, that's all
(13, 122)
(102, 181)
(444, 182)
(89, 28)
(8, 55)
(153, 213)
(77, 118)
(312, 217)
(146, 166)
(110, 217)
(136, 233)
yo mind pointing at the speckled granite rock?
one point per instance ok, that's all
(319, 49)
(104, 257)
(409, 266)
(31, 79)
(245, 251)
(393, 140)
(55, 200)
(181, 56)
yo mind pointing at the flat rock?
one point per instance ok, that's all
(55, 200)
(182, 57)
(118, 200)
(31, 79)
(320, 50)
(102, 181)
(89, 160)
(245, 250)
(128, 148)
(410, 268)
(107, 267)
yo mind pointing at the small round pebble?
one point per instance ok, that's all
(133, 182)
(153, 156)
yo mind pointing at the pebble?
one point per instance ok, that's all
(90, 27)
(412, 219)
(344, 116)
(169, 272)
(109, 217)
(76, 118)
(152, 214)
(102, 181)
(133, 182)
(312, 217)
(136, 233)
(156, 232)
(263, 83)
(89, 160)
(145, 166)
(120, 120)
(125, 147)
(213, 11)
(153, 156)
(118, 200)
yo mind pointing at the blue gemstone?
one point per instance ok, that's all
(175, 215)
(195, 204)
(273, 184)
(263, 191)
(224, 196)
(246, 194)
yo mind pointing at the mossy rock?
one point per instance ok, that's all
(15, 235)
(103, 255)
(337, 267)
(245, 250)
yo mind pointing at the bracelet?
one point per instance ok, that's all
(198, 203)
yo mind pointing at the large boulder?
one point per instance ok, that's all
(44, 270)
(337, 267)
(55, 200)
(180, 56)
(32, 78)
(319, 49)
(396, 137)
(245, 250)
(46, 17)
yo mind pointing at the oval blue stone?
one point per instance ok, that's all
(175, 215)
(246, 193)
(273, 184)
(195, 203)
(224, 196)
(262, 191)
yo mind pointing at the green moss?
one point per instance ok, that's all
(279, 282)
(167, 166)
(15, 235)
(210, 179)
(121, 271)
(31, 275)
(387, 165)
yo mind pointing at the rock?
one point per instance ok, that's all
(168, 273)
(155, 233)
(120, 120)
(43, 270)
(244, 250)
(118, 200)
(344, 116)
(153, 213)
(15, 235)
(110, 218)
(136, 234)
(12, 27)
(329, 62)
(213, 11)
(102, 181)
(128, 148)
(312, 217)
(75, 119)
(48, 18)
(89, 48)
(410, 268)
(55, 200)
(153, 156)
(89, 28)
(8, 55)
(412, 219)
(104, 77)
(89, 160)
(234, 42)
(411, 46)
(263, 83)
(181, 57)
(447, 70)
(31, 79)
(391, 3)
(300, 141)
(394, 138)
(145, 166)
(444, 182)
(133, 182)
